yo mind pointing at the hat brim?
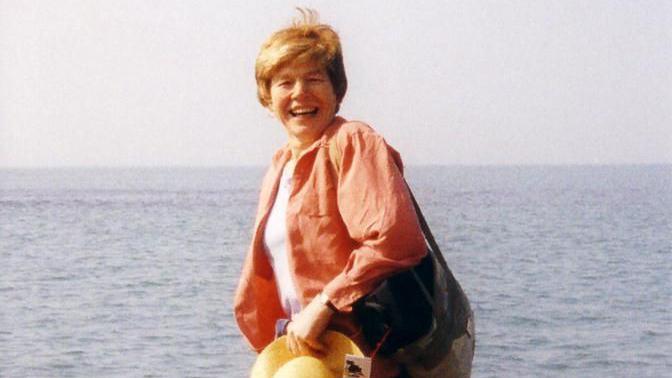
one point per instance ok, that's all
(276, 354)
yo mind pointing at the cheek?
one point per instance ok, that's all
(329, 96)
(277, 101)
(332, 102)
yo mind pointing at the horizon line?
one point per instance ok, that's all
(466, 165)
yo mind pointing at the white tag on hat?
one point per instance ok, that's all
(357, 367)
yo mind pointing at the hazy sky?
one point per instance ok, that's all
(167, 82)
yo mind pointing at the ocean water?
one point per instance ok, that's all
(131, 272)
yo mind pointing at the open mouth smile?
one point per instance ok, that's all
(298, 112)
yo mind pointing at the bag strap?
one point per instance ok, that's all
(434, 246)
(461, 312)
(335, 158)
(462, 309)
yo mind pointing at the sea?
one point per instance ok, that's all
(130, 272)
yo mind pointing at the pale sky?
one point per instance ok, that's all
(168, 82)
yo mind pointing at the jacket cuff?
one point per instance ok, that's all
(341, 296)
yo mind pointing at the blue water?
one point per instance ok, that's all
(131, 272)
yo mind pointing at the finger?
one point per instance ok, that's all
(297, 346)
(304, 349)
(315, 345)
(291, 339)
(291, 344)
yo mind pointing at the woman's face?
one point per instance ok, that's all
(303, 99)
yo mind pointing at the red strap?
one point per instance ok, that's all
(380, 343)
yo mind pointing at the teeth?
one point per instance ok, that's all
(303, 111)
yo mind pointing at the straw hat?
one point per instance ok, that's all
(304, 367)
(276, 361)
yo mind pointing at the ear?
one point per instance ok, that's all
(269, 109)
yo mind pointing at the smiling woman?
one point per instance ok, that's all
(303, 99)
(301, 79)
(335, 217)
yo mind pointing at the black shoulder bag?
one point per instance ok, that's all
(415, 314)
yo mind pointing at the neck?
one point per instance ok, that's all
(299, 143)
(297, 147)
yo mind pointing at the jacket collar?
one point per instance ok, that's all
(284, 154)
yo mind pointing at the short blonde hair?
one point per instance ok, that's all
(306, 40)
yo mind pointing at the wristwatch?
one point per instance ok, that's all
(326, 301)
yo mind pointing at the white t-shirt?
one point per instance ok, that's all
(275, 241)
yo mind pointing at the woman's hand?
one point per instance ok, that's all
(305, 329)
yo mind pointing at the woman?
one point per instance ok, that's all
(335, 217)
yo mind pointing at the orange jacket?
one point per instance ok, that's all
(350, 224)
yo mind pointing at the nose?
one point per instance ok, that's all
(299, 89)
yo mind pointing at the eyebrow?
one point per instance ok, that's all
(287, 76)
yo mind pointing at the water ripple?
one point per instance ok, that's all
(132, 273)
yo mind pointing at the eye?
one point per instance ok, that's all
(283, 83)
(315, 79)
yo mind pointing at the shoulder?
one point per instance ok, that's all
(277, 162)
(353, 132)
(278, 156)
(358, 140)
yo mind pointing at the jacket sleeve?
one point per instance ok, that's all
(376, 208)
